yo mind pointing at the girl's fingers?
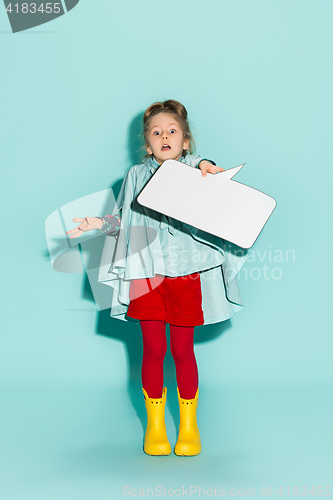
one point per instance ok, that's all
(76, 229)
(215, 170)
(87, 224)
(77, 234)
(212, 170)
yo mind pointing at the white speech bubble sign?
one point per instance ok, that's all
(215, 203)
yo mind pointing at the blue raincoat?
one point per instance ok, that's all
(145, 237)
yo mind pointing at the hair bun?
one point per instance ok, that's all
(169, 105)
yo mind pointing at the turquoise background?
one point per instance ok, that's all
(256, 78)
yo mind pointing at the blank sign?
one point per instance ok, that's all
(215, 203)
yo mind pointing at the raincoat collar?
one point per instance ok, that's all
(153, 164)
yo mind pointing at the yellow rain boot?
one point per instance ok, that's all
(188, 442)
(156, 440)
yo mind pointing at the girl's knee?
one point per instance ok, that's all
(155, 352)
(181, 354)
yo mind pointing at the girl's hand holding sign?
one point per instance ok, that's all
(205, 166)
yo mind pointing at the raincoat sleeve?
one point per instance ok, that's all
(205, 159)
(128, 255)
(111, 245)
(113, 259)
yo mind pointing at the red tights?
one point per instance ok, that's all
(154, 350)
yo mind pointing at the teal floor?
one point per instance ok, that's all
(86, 444)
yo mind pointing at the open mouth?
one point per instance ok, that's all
(165, 147)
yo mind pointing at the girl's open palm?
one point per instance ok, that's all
(87, 224)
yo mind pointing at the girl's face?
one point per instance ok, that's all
(165, 138)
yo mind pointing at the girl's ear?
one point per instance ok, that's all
(186, 144)
(149, 151)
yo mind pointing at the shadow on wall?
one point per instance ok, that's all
(135, 142)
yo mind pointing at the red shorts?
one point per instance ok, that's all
(177, 301)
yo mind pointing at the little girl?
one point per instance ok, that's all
(197, 286)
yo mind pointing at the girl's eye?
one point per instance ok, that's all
(172, 130)
(155, 133)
